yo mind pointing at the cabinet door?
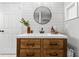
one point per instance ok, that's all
(53, 53)
(30, 43)
(53, 43)
(30, 52)
(9, 14)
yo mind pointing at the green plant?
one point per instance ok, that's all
(26, 23)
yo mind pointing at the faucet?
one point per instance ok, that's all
(42, 31)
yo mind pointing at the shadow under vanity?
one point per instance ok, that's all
(41, 45)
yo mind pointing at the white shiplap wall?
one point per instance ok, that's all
(12, 11)
(56, 20)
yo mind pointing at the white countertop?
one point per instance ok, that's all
(45, 35)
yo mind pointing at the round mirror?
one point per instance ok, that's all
(42, 15)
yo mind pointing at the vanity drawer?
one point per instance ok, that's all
(30, 43)
(29, 52)
(53, 53)
(53, 43)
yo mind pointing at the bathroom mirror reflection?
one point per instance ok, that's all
(42, 15)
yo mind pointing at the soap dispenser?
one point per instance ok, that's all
(52, 30)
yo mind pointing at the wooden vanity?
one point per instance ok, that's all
(41, 45)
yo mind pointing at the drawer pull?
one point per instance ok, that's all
(55, 54)
(30, 44)
(53, 44)
(31, 54)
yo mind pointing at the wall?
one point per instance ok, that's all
(10, 13)
(56, 20)
(71, 28)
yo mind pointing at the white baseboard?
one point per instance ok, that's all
(7, 53)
